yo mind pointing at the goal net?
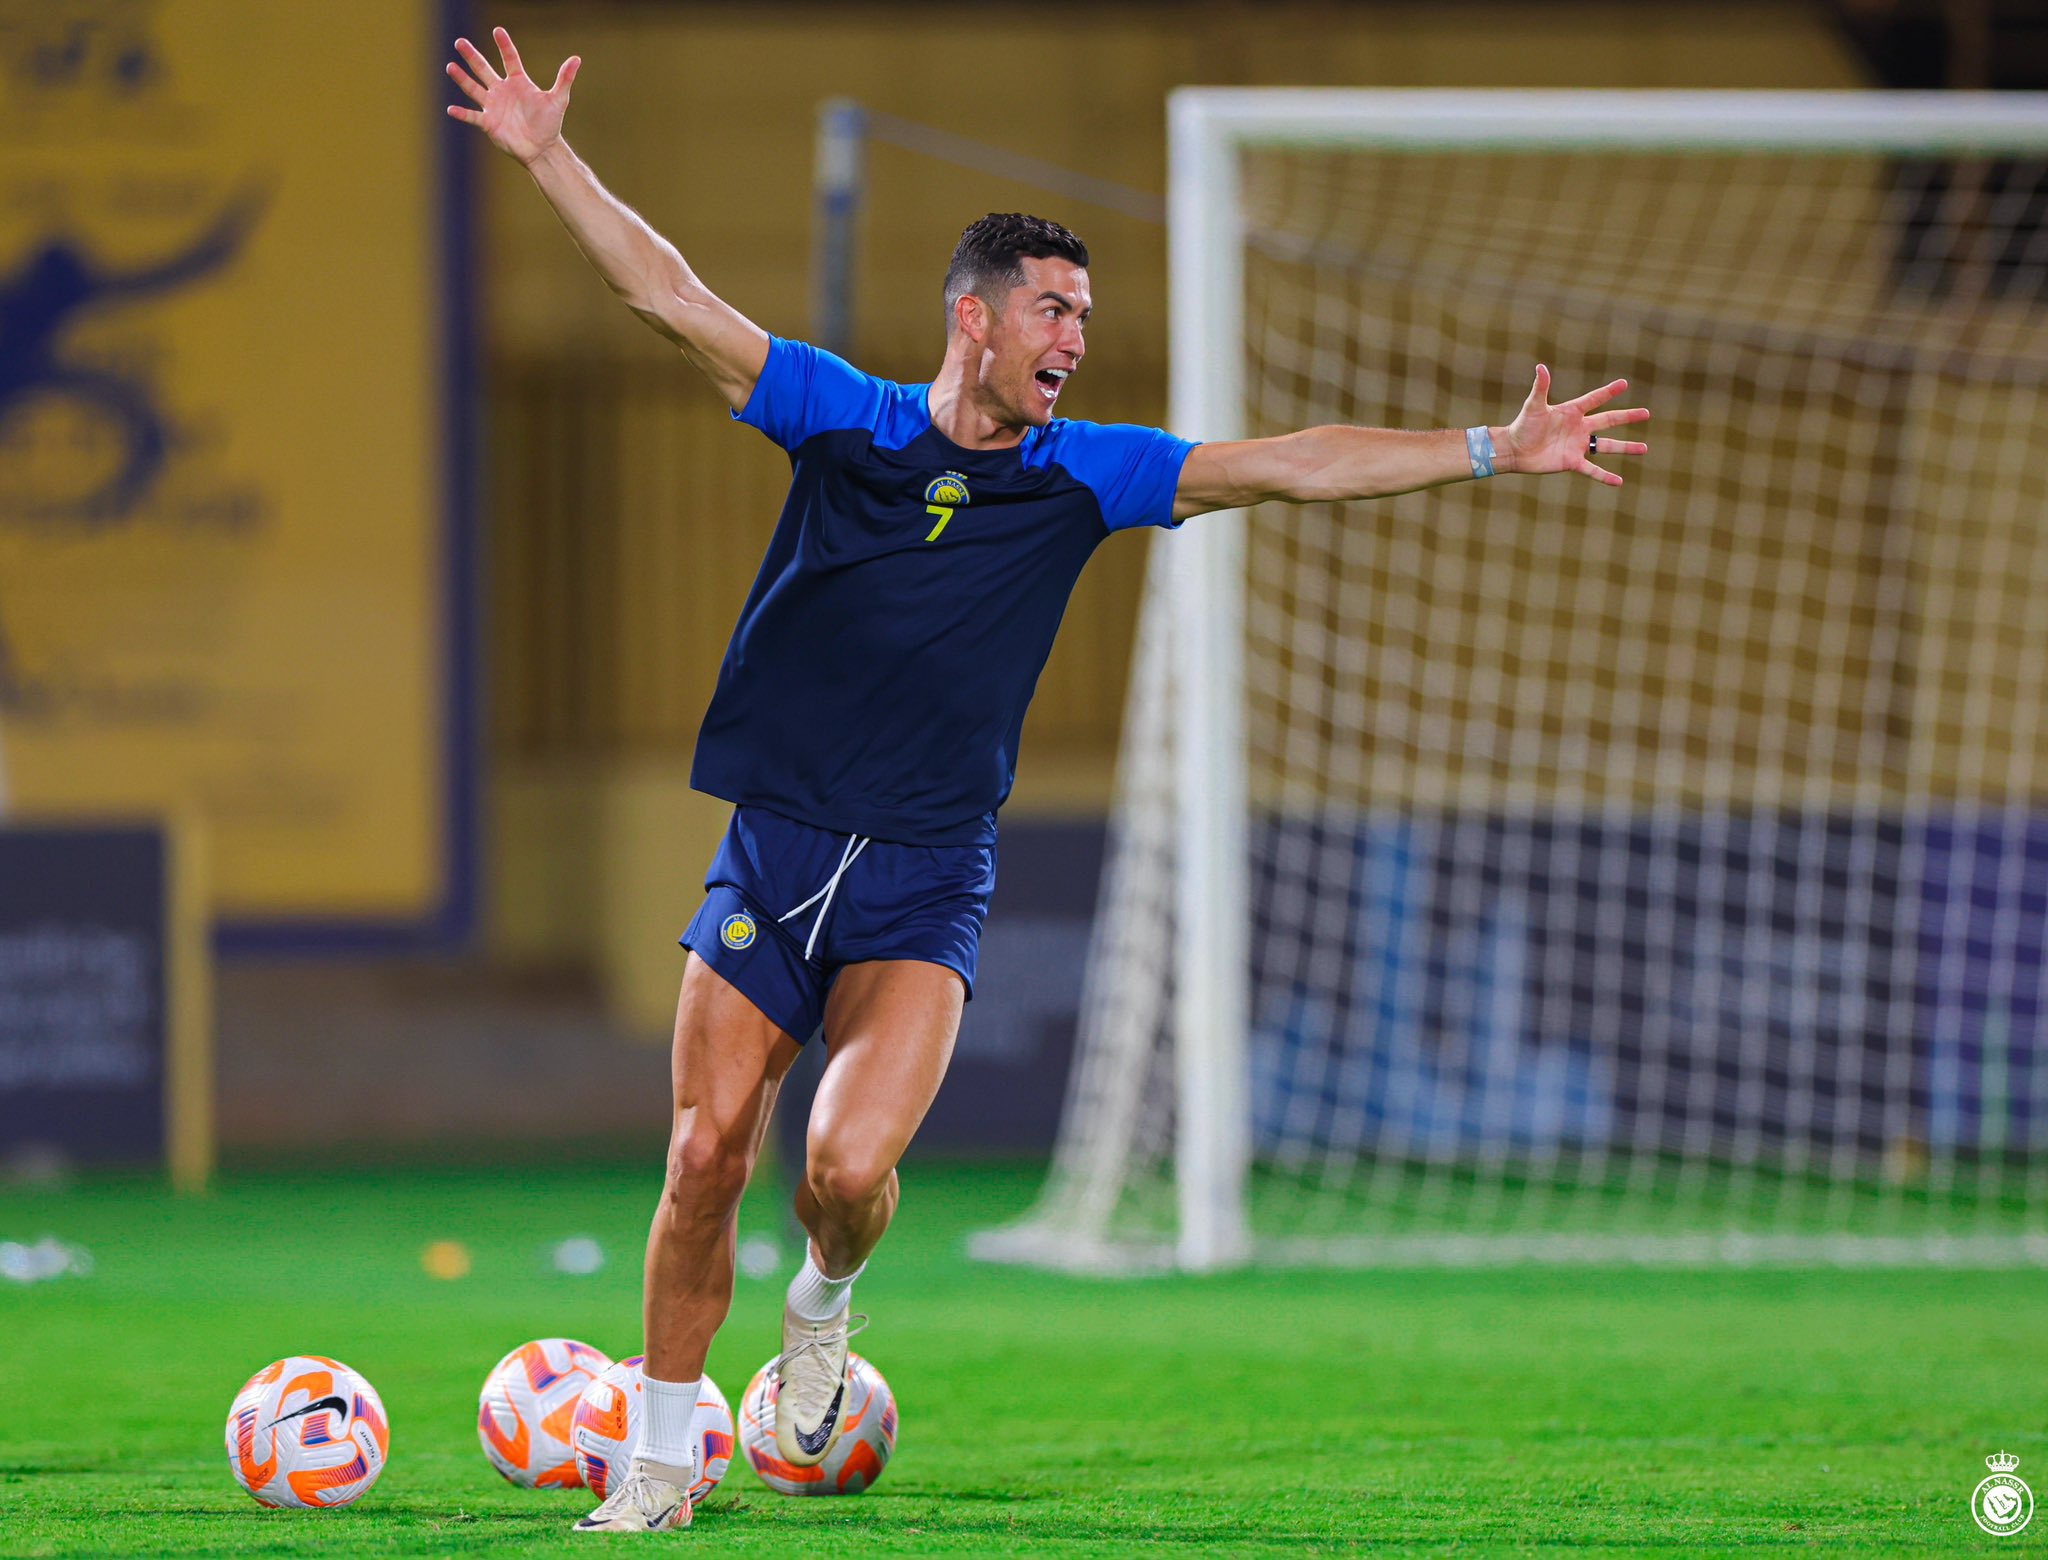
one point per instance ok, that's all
(1530, 870)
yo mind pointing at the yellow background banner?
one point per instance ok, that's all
(224, 527)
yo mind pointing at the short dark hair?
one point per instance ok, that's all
(989, 259)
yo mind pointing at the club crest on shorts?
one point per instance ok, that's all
(737, 931)
(2002, 1504)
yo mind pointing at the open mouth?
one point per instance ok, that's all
(1050, 380)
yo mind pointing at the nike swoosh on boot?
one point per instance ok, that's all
(815, 1441)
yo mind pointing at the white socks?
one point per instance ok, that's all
(665, 1437)
(672, 1405)
(815, 1297)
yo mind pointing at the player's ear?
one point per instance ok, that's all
(970, 312)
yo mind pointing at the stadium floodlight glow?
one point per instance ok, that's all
(1504, 873)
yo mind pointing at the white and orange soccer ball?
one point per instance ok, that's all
(855, 1461)
(308, 1432)
(607, 1429)
(523, 1414)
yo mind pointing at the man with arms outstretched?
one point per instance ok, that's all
(866, 721)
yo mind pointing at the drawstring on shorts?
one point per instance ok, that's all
(855, 844)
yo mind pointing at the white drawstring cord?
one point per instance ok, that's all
(855, 844)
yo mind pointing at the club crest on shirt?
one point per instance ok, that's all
(736, 931)
(942, 495)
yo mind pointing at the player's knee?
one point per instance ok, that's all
(846, 1178)
(707, 1169)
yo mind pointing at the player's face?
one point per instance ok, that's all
(1037, 341)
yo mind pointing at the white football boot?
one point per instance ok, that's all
(652, 1498)
(812, 1369)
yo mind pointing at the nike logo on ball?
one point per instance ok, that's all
(338, 1404)
(815, 1441)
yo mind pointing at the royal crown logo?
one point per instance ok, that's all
(2002, 1505)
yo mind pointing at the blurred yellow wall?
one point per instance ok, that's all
(626, 515)
(222, 530)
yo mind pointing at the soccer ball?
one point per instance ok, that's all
(607, 1429)
(307, 1432)
(855, 1461)
(523, 1413)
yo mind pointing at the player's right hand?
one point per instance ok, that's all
(511, 109)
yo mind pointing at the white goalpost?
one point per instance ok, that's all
(1525, 871)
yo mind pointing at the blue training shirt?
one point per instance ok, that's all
(878, 678)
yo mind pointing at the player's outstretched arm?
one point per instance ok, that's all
(1324, 464)
(637, 263)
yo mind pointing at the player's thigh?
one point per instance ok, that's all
(890, 1025)
(727, 1060)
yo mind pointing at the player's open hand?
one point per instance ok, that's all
(511, 109)
(1559, 438)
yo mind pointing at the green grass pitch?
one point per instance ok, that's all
(1589, 1412)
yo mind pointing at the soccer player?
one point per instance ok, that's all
(866, 721)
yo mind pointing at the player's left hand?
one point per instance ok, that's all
(1546, 438)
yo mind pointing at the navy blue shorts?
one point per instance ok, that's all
(923, 902)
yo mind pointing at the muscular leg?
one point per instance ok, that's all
(891, 1025)
(728, 1060)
